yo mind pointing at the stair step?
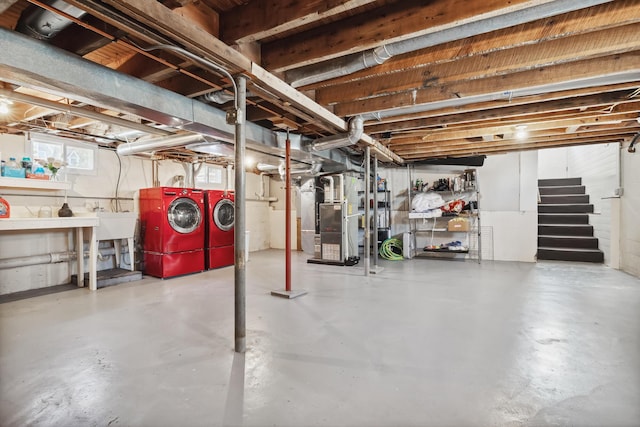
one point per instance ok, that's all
(565, 208)
(563, 218)
(559, 182)
(574, 242)
(558, 199)
(565, 230)
(569, 254)
(571, 189)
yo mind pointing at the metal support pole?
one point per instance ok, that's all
(375, 212)
(287, 293)
(240, 220)
(287, 209)
(367, 220)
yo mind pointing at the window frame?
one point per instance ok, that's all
(68, 145)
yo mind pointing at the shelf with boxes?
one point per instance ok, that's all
(445, 234)
(38, 184)
(444, 219)
(32, 175)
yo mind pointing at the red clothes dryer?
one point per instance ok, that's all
(172, 231)
(219, 242)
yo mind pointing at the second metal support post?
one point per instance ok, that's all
(374, 240)
(239, 239)
(287, 293)
(367, 212)
(287, 215)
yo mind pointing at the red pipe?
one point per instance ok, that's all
(287, 213)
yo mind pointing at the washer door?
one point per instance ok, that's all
(184, 215)
(223, 215)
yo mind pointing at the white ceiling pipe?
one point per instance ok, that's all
(158, 143)
(360, 61)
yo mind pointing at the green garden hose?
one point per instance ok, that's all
(391, 249)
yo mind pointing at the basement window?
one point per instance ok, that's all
(80, 158)
(209, 175)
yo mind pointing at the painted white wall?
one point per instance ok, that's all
(508, 206)
(553, 163)
(89, 191)
(598, 166)
(277, 226)
(630, 213)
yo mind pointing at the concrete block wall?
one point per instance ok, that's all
(630, 213)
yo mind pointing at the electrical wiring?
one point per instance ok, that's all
(391, 249)
(118, 207)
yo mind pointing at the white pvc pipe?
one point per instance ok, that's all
(262, 196)
(52, 258)
(158, 143)
(36, 260)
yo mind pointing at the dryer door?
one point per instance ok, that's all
(184, 215)
(223, 215)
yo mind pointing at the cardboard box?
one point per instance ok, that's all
(34, 176)
(14, 172)
(458, 224)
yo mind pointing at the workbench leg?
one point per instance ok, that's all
(80, 256)
(93, 256)
(117, 247)
(131, 256)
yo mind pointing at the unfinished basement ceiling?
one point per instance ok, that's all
(431, 79)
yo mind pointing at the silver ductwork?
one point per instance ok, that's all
(217, 97)
(158, 143)
(312, 170)
(44, 25)
(361, 61)
(81, 112)
(356, 129)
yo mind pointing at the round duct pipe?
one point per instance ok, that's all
(158, 143)
(356, 129)
(43, 24)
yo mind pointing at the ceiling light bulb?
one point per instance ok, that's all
(4, 108)
(521, 131)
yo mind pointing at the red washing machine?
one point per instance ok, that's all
(172, 230)
(219, 243)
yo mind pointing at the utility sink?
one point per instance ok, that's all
(116, 225)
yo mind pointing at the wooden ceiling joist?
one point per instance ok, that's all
(472, 131)
(462, 145)
(546, 76)
(385, 25)
(264, 19)
(531, 57)
(475, 114)
(597, 18)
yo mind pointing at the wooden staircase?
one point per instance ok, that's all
(564, 233)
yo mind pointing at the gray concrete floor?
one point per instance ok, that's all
(424, 343)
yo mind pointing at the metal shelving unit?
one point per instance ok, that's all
(383, 221)
(428, 233)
